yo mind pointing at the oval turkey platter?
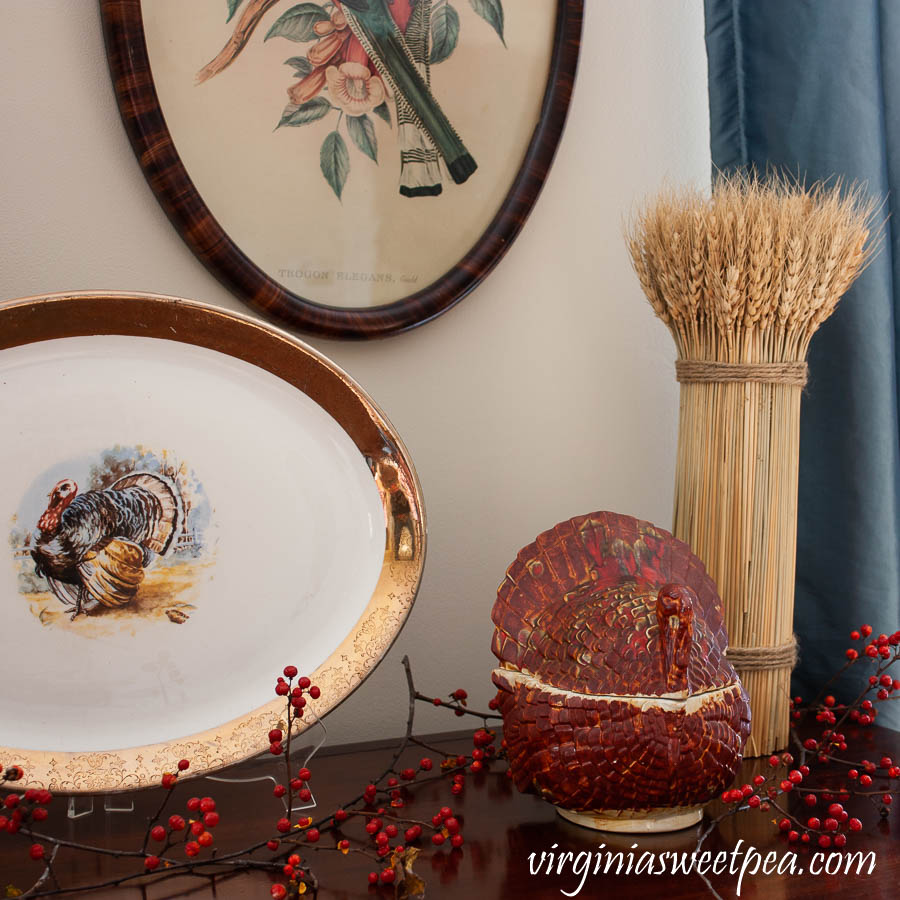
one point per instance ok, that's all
(192, 500)
(355, 168)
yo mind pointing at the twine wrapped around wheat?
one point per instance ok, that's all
(743, 279)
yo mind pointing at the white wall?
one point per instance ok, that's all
(547, 393)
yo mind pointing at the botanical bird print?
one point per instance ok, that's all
(93, 547)
(363, 54)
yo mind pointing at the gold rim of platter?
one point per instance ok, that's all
(42, 318)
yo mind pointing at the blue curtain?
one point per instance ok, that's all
(812, 87)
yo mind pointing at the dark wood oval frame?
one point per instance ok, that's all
(129, 66)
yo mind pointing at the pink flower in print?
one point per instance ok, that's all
(354, 88)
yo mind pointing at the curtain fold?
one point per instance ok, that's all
(812, 88)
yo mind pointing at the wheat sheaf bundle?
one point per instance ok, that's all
(743, 278)
(754, 269)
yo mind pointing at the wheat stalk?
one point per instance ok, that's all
(747, 275)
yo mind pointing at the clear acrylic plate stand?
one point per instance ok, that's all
(306, 746)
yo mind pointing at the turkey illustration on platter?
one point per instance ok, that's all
(93, 548)
(125, 539)
(362, 54)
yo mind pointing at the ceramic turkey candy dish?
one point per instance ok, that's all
(619, 705)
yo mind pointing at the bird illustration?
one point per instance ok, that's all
(93, 547)
(404, 69)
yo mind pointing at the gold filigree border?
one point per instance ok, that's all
(53, 316)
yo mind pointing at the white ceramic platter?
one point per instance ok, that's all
(193, 500)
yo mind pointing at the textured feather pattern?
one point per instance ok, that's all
(600, 754)
(613, 683)
(578, 609)
(167, 525)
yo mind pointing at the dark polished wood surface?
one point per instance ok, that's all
(159, 160)
(501, 828)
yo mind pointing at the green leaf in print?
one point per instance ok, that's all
(492, 13)
(359, 5)
(297, 23)
(302, 66)
(444, 32)
(307, 112)
(362, 131)
(232, 8)
(335, 162)
(383, 112)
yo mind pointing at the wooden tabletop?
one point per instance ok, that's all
(502, 828)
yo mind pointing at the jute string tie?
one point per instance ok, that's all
(757, 659)
(692, 371)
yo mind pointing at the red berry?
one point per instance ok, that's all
(887, 799)
(207, 804)
(275, 735)
(425, 764)
(303, 682)
(168, 780)
(290, 671)
(283, 825)
(886, 762)
(854, 825)
(410, 834)
(437, 701)
(753, 801)
(810, 800)
(391, 830)
(211, 819)
(853, 774)
(835, 809)
(304, 774)
(456, 840)
(314, 692)
(278, 891)
(183, 764)
(192, 848)
(437, 839)
(176, 822)
(854, 635)
(193, 804)
(865, 780)
(785, 825)
(866, 630)
(851, 654)
(456, 789)
(408, 774)
(340, 815)
(305, 795)
(839, 840)
(830, 824)
(282, 689)
(387, 876)
(373, 878)
(451, 824)
(813, 823)
(787, 785)
(793, 836)
(196, 828)
(36, 851)
(39, 814)
(151, 862)
(774, 761)
(276, 749)
(158, 833)
(205, 838)
(273, 845)
(759, 779)
(824, 840)
(312, 835)
(279, 791)
(795, 776)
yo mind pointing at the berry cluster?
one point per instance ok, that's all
(194, 832)
(846, 777)
(19, 812)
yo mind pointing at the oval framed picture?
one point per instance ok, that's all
(181, 480)
(351, 168)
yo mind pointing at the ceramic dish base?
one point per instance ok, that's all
(631, 821)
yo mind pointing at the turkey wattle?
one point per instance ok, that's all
(93, 548)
